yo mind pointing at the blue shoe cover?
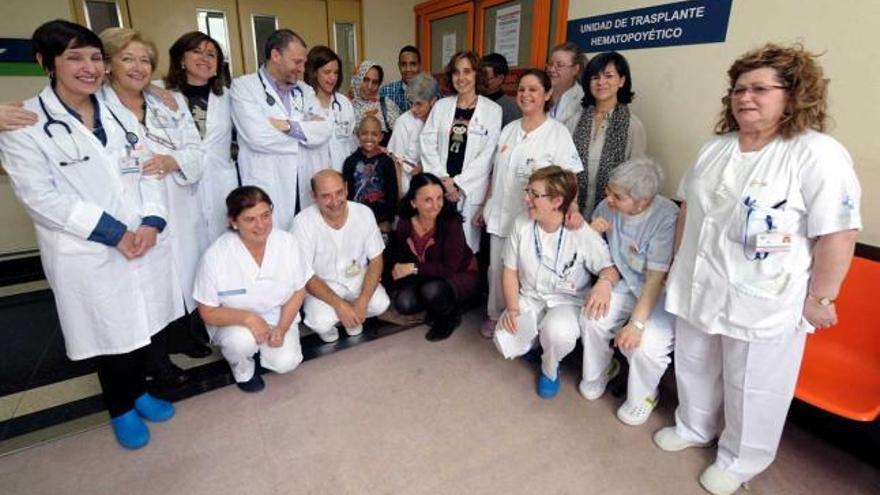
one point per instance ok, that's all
(130, 430)
(153, 409)
(548, 388)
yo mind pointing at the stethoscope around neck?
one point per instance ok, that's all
(130, 137)
(270, 100)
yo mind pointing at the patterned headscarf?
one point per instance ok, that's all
(364, 107)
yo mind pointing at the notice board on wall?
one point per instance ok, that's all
(681, 23)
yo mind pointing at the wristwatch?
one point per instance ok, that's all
(823, 301)
(638, 324)
(415, 270)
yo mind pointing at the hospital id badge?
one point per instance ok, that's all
(129, 164)
(773, 242)
(353, 270)
(566, 287)
(342, 129)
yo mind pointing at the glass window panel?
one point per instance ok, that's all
(345, 41)
(263, 27)
(213, 23)
(524, 51)
(101, 15)
(454, 30)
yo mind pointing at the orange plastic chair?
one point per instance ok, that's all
(841, 366)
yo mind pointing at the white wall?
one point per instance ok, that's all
(678, 89)
(18, 19)
(388, 26)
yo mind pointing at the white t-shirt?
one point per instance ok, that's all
(557, 268)
(517, 156)
(801, 188)
(229, 276)
(339, 256)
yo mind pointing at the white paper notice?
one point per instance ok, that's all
(507, 22)
(448, 46)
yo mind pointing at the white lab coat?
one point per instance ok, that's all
(568, 109)
(333, 152)
(219, 176)
(106, 304)
(405, 144)
(483, 131)
(184, 209)
(267, 157)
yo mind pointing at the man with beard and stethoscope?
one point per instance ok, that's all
(275, 113)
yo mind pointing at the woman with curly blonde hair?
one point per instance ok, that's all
(766, 232)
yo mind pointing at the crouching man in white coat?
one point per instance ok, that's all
(639, 226)
(250, 286)
(342, 242)
(546, 275)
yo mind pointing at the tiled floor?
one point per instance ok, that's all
(401, 415)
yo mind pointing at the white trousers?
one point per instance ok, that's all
(238, 346)
(754, 381)
(557, 331)
(322, 318)
(647, 362)
(495, 304)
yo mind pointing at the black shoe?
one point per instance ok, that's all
(198, 351)
(254, 385)
(169, 376)
(443, 327)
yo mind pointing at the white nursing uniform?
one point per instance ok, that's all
(333, 152)
(568, 109)
(473, 181)
(106, 303)
(340, 258)
(404, 144)
(638, 243)
(267, 157)
(555, 271)
(518, 155)
(740, 331)
(230, 277)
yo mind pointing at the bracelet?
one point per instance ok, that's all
(638, 324)
(603, 277)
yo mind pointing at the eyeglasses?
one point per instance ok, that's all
(757, 90)
(558, 65)
(535, 195)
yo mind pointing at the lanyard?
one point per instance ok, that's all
(768, 221)
(554, 269)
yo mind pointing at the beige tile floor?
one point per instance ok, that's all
(401, 415)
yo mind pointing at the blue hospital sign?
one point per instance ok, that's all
(681, 23)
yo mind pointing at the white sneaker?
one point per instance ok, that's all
(717, 482)
(667, 439)
(329, 336)
(637, 414)
(594, 390)
(354, 331)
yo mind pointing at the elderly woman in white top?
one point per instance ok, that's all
(525, 145)
(564, 65)
(421, 91)
(547, 276)
(639, 226)
(607, 133)
(174, 143)
(458, 141)
(768, 224)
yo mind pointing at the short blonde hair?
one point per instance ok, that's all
(116, 39)
(560, 183)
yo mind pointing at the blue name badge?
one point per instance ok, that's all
(232, 292)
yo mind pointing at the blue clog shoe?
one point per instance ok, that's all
(547, 388)
(130, 430)
(153, 409)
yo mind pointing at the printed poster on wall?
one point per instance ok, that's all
(448, 46)
(507, 21)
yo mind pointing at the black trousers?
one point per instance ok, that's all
(123, 379)
(416, 293)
